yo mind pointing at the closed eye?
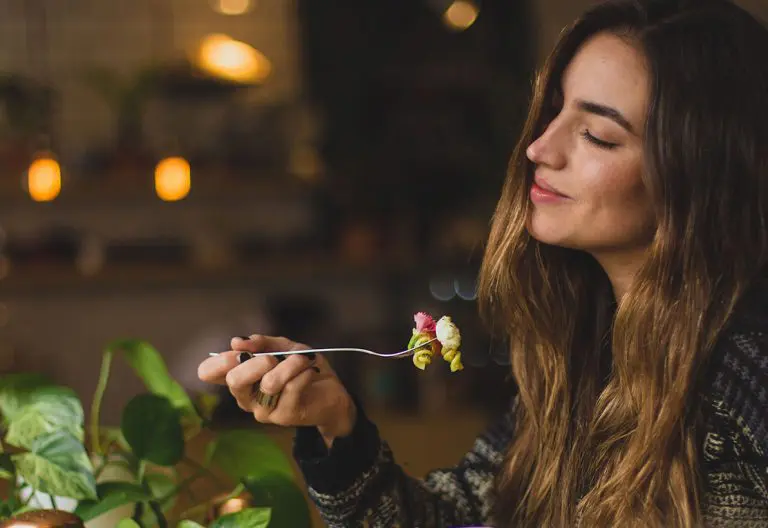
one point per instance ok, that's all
(600, 143)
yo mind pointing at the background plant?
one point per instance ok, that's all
(44, 452)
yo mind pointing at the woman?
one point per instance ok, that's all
(626, 265)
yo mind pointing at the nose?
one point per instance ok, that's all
(548, 149)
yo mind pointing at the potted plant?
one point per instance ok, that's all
(139, 470)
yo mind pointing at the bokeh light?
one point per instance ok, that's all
(460, 15)
(226, 58)
(44, 179)
(173, 179)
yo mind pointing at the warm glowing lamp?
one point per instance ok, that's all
(44, 179)
(232, 7)
(230, 59)
(460, 15)
(172, 179)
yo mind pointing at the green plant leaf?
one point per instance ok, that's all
(16, 389)
(285, 498)
(6, 466)
(206, 404)
(111, 495)
(189, 524)
(152, 428)
(253, 458)
(48, 409)
(248, 454)
(161, 485)
(127, 523)
(149, 365)
(57, 464)
(7, 508)
(247, 518)
(114, 435)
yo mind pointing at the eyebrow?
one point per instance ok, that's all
(605, 111)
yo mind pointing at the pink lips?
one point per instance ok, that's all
(543, 193)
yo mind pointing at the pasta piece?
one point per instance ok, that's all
(445, 341)
(422, 358)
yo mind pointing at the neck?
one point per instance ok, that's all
(621, 268)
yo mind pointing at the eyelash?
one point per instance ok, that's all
(597, 141)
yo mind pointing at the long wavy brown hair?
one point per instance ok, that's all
(619, 446)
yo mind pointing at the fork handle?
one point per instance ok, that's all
(308, 351)
(294, 352)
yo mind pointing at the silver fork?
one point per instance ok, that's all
(394, 355)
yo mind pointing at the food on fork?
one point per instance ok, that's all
(422, 334)
(445, 340)
(422, 358)
(450, 340)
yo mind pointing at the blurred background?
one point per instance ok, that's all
(183, 171)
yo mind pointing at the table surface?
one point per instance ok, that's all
(420, 444)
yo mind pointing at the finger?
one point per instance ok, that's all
(261, 343)
(241, 379)
(215, 369)
(238, 341)
(244, 343)
(291, 410)
(275, 380)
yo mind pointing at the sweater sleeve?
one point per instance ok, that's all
(358, 483)
(741, 382)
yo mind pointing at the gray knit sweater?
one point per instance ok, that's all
(358, 482)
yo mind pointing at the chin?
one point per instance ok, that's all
(549, 231)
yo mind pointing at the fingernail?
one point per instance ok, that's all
(310, 356)
(316, 369)
(242, 357)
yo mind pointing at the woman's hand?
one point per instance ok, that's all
(309, 392)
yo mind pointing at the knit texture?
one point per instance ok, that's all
(358, 483)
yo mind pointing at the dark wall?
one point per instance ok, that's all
(410, 106)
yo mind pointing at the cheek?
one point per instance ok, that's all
(610, 210)
(619, 186)
(606, 182)
(618, 201)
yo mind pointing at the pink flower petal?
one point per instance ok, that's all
(424, 322)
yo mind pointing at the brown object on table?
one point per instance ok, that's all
(43, 519)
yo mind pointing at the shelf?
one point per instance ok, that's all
(138, 183)
(274, 272)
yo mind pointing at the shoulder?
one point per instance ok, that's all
(737, 377)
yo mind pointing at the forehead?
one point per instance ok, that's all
(610, 71)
